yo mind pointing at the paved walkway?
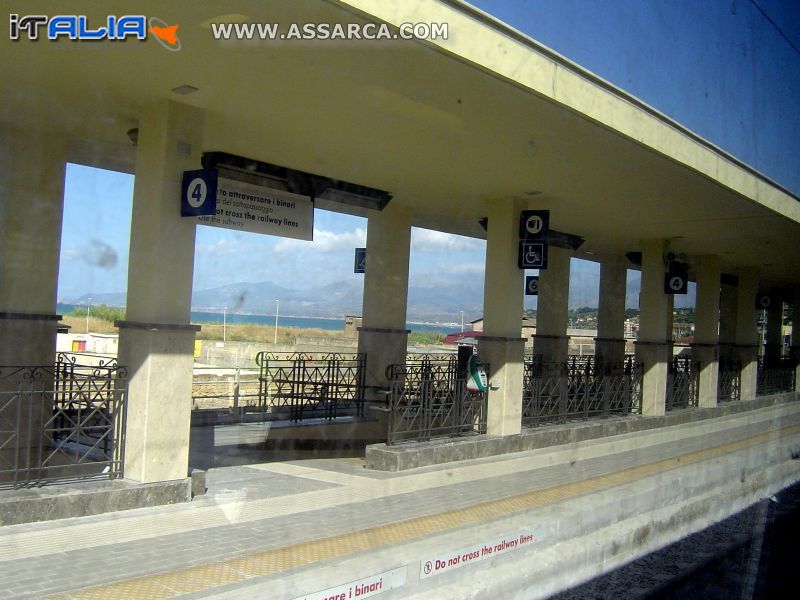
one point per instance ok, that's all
(292, 529)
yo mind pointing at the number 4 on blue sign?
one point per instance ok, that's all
(199, 193)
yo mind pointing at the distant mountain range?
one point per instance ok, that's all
(442, 303)
(441, 300)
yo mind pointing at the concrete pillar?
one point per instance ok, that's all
(552, 312)
(705, 349)
(156, 342)
(669, 330)
(501, 345)
(727, 319)
(383, 335)
(610, 342)
(774, 340)
(32, 167)
(747, 331)
(795, 348)
(653, 345)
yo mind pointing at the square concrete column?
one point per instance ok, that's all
(32, 167)
(727, 319)
(156, 341)
(501, 345)
(795, 348)
(383, 336)
(552, 308)
(653, 345)
(705, 349)
(747, 331)
(610, 343)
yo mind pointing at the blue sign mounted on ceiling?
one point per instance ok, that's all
(532, 285)
(199, 193)
(361, 261)
(532, 255)
(534, 225)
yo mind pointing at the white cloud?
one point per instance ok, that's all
(423, 240)
(325, 242)
(468, 268)
(220, 247)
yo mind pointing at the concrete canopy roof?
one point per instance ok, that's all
(445, 126)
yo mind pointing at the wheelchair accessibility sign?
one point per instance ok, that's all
(532, 255)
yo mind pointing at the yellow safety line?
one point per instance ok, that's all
(202, 577)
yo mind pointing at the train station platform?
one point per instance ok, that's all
(526, 524)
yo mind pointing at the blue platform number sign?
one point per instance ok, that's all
(532, 285)
(361, 261)
(676, 282)
(534, 225)
(763, 302)
(199, 193)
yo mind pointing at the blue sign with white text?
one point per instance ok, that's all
(199, 193)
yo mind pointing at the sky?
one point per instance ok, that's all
(719, 67)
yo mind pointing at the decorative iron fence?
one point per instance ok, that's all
(61, 422)
(682, 383)
(311, 385)
(428, 398)
(775, 377)
(579, 389)
(729, 381)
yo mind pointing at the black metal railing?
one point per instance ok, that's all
(580, 388)
(61, 422)
(306, 385)
(729, 381)
(428, 398)
(775, 377)
(682, 383)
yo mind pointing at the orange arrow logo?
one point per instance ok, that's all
(168, 34)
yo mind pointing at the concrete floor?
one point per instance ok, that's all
(522, 525)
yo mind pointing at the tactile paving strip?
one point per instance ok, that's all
(202, 577)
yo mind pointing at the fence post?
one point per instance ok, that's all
(236, 383)
(426, 400)
(586, 394)
(563, 388)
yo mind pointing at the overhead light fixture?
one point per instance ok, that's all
(729, 279)
(635, 258)
(133, 136)
(185, 89)
(326, 192)
(559, 239)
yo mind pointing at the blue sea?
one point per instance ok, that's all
(289, 321)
